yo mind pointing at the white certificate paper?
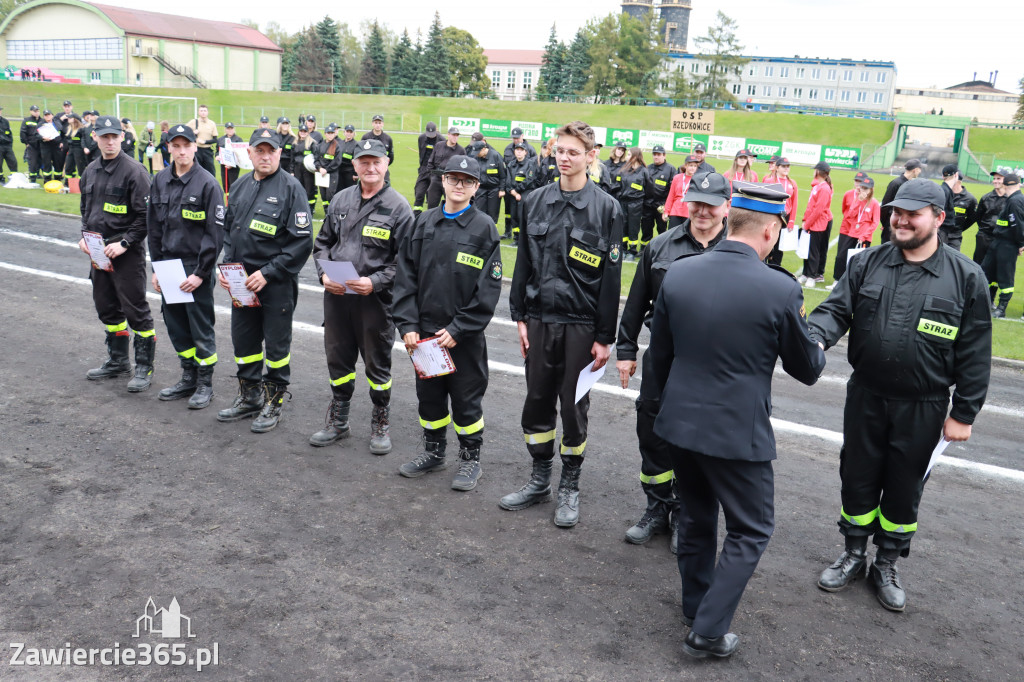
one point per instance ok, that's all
(940, 447)
(339, 271)
(170, 274)
(322, 180)
(94, 242)
(235, 274)
(588, 377)
(789, 240)
(430, 360)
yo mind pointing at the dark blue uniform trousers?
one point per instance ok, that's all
(746, 493)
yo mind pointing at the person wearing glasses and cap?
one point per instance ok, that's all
(425, 143)
(363, 225)
(448, 285)
(228, 173)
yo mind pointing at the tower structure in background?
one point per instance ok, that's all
(674, 13)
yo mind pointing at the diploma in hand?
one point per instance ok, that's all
(235, 274)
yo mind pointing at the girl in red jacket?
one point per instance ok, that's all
(780, 176)
(741, 169)
(818, 221)
(860, 218)
(675, 203)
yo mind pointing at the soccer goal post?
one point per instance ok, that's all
(144, 108)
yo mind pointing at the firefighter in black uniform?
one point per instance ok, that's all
(6, 148)
(508, 156)
(89, 144)
(364, 225)
(492, 178)
(632, 180)
(30, 138)
(565, 299)
(659, 178)
(1000, 262)
(989, 209)
(425, 143)
(947, 230)
(919, 323)
(186, 221)
(911, 169)
(228, 174)
(699, 150)
(438, 161)
(346, 171)
(521, 179)
(49, 150)
(284, 130)
(448, 284)
(269, 231)
(614, 164)
(305, 146)
(115, 189)
(63, 122)
(377, 133)
(965, 205)
(313, 132)
(327, 157)
(701, 232)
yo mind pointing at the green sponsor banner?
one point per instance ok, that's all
(490, 127)
(683, 143)
(1016, 166)
(630, 138)
(549, 129)
(765, 149)
(840, 157)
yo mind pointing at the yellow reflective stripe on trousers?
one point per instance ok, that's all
(1006, 291)
(343, 380)
(190, 353)
(439, 424)
(861, 520)
(539, 438)
(278, 364)
(573, 449)
(888, 525)
(147, 333)
(655, 480)
(378, 387)
(117, 327)
(476, 426)
(206, 362)
(249, 359)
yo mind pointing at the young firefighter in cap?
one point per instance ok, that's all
(363, 225)
(206, 138)
(448, 284)
(228, 173)
(6, 148)
(947, 231)
(565, 300)
(328, 162)
(989, 209)
(708, 198)
(632, 178)
(547, 167)
(519, 182)
(699, 150)
(438, 161)
(780, 176)
(1007, 243)
(614, 164)
(860, 218)
(114, 193)
(425, 143)
(284, 131)
(269, 231)
(656, 185)
(347, 152)
(49, 149)
(911, 170)
(965, 205)
(675, 203)
(29, 135)
(919, 323)
(186, 221)
(508, 156)
(493, 178)
(305, 148)
(721, 322)
(63, 120)
(313, 132)
(264, 122)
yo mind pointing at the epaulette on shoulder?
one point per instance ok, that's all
(779, 268)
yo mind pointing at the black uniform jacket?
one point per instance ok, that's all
(385, 140)
(269, 227)
(30, 130)
(547, 169)
(449, 274)
(568, 264)
(442, 152)
(522, 176)
(114, 197)
(885, 213)
(300, 151)
(6, 139)
(720, 322)
(492, 170)
(989, 209)
(287, 155)
(367, 233)
(657, 183)
(324, 157)
(631, 183)
(509, 154)
(426, 143)
(663, 251)
(915, 330)
(222, 142)
(966, 208)
(346, 152)
(1010, 225)
(186, 219)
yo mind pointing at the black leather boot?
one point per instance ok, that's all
(270, 416)
(655, 518)
(335, 425)
(204, 389)
(567, 511)
(848, 567)
(469, 469)
(145, 351)
(1000, 310)
(538, 489)
(186, 385)
(887, 580)
(431, 459)
(116, 364)
(380, 425)
(248, 402)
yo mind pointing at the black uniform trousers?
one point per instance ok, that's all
(633, 210)
(1000, 265)
(887, 444)
(953, 239)
(746, 492)
(652, 223)
(488, 201)
(308, 183)
(7, 156)
(557, 354)
(508, 207)
(518, 213)
(75, 162)
(345, 179)
(227, 177)
(33, 158)
(357, 325)
(204, 157)
(327, 193)
(465, 386)
(775, 256)
(120, 296)
(190, 327)
(270, 325)
(655, 455)
(814, 266)
(422, 185)
(982, 242)
(846, 242)
(49, 160)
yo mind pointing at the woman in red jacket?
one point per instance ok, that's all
(818, 221)
(780, 176)
(741, 169)
(675, 203)
(860, 218)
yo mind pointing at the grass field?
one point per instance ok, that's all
(1005, 144)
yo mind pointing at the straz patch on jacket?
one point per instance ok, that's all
(468, 259)
(193, 215)
(585, 257)
(115, 208)
(265, 228)
(376, 232)
(943, 331)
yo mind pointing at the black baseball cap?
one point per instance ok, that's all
(265, 136)
(747, 153)
(431, 129)
(709, 188)
(949, 169)
(303, 128)
(378, 117)
(47, 111)
(699, 147)
(782, 161)
(774, 159)
(1001, 171)
(823, 167)
(350, 128)
(33, 108)
(264, 119)
(229, 124)
(370, 148)
(453, 131)
(861, 176)
(517, 132)
(463, 165)
(918, 193)
(67, 103)
(913, 164)
(283, 119)
(658, 149)
(312, 118)
(331, 128)
(477, 137)
(181, 130)
(691, 159)
(868, 182)
(108, 125)
(1011, 179)
(519, 145)
(769, 199)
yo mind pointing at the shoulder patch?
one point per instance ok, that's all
(614, 254)
(302, 219)
(779, 268)
(220, 212)
(496, 269)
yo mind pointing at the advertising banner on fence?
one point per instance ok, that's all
(693, 121)
(550, 128)
(684, 142)
(466, 126)
(649, 138)
(725, 146)
(531, 129)
(490, 127)
(765, 149)
(797, 152)
(840, 157)
(630, 138)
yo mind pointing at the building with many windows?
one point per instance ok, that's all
(514, 73)
(978, 100)
(97, 43)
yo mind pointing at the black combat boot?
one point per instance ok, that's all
(204, 389)
(116, 364)
(431, 459)
(186, 385)
(335, 425)
(469, 469)
(567, 511)
(1000, 310)
(655, 517)
(887, 580)
(538, 489)
(248, 402)
(848, 567)
(145, 351)
(380, 425)
(270, 415)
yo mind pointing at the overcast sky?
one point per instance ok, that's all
(933, 42)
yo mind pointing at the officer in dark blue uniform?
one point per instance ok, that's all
(720, 323)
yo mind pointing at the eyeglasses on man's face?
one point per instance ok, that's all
(459, 182)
